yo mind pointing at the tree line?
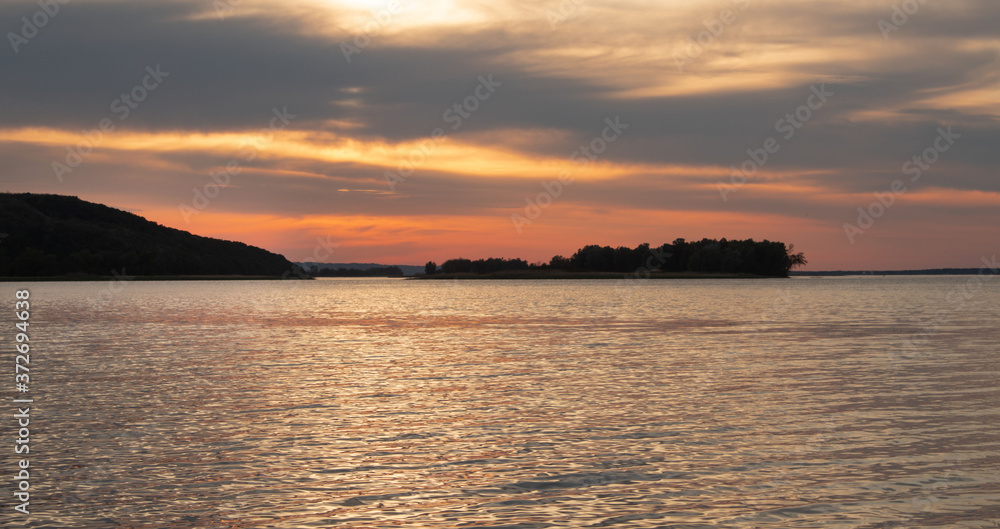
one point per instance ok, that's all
(374, 271)
(762, 258)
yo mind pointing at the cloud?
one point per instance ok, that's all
(355, 120)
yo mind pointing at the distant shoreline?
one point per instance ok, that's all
(927, 272)
(542, 274)
(148, 278)
(514, 274)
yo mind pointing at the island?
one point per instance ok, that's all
(707, 258)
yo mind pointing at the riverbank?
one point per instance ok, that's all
(146, 278)
(561, 274)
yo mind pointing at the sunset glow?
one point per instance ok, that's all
(409, 132)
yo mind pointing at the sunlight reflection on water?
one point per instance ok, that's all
(378, 403)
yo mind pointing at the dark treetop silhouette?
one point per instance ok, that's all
(55, 235)
(707, 256)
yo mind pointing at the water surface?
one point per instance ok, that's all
(810, 402)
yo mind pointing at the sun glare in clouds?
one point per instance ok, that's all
(394, 18)
(367, 5)
(561, 77)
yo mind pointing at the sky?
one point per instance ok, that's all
(864, 132)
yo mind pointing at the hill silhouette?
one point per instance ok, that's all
(56, 235)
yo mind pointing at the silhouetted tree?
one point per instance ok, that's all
(456, 266)
(795, 259)
(430, 268)
(560, 263)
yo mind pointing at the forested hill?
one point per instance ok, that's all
(55, 235)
